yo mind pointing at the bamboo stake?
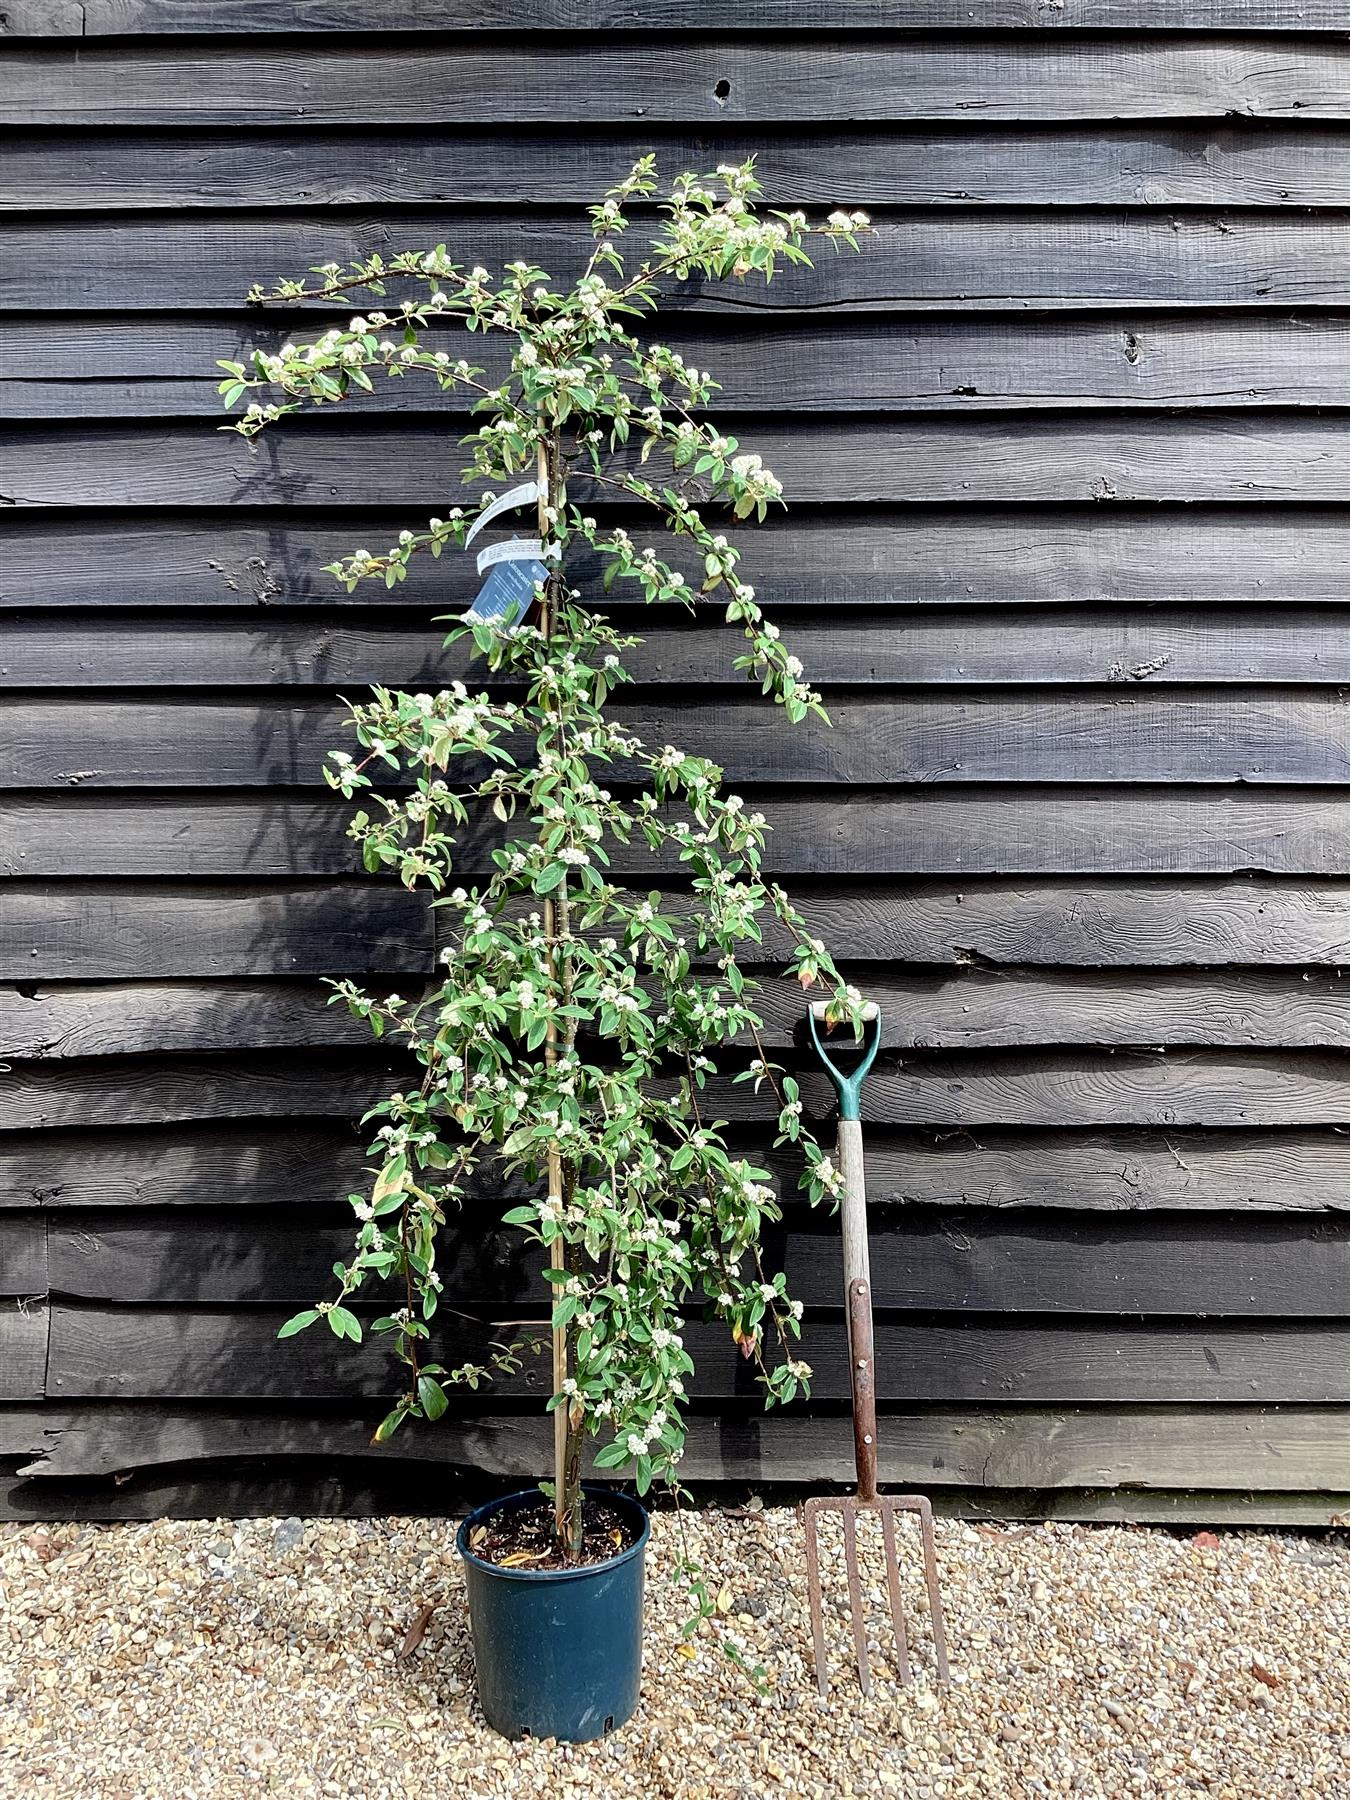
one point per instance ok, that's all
(557, 1250)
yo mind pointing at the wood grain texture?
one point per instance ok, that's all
(159, 1017)
(134, 932)
(1006, 1008)
(949, 1089)
(968, 1260)
(1253, 1169)
(1027, 831)
(112, 369)
(1050, 77)
(106, 1353)
(1153, 164)
(975, 1008)
(23, 1347)
(1002, 555)
(98, 1094)
(1019, 647)
(965, 260)
(23, 1256)
(1089, 923)
(115, 18)
(300, 1162)
(254, 1161)
(1128, 736)
(323, 462)
(1281, 1448)
(1138, 1088)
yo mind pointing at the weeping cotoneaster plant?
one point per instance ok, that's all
(572, 1035)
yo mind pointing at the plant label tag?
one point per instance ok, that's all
(507, 594)
(517, 496)
(510, 550)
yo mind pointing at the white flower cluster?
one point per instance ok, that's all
(762, 482)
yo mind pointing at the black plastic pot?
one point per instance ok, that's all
(558, 1651)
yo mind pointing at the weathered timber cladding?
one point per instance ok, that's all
(1069, 550)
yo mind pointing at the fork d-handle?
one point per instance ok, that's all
(858, 1304)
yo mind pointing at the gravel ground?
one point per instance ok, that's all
(203, 1661)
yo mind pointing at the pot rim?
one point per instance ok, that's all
(523, 1496)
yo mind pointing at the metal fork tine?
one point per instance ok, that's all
(813, 1590)
(855, 1599)
(897, 1606)
(929, 1537)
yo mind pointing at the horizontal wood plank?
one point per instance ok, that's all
(299, 1162)
(256, 1162)
(1006, 1008)
(1233, 1168)
(1087, 923)
(118, 18)
(1204, 457)
(1050, 77)
(1026, 831)
(974, 1008)
(1162, 1264)
(100, 1352)
(958, 647)
(951, 1089)
(123, 1092)
(1139, 1088)
(158, 1018)
(965, 260)
(1129, 736)
(1155, 164)
(335, 929)
(1014, 556)
(166, 368)
(1279, 1448)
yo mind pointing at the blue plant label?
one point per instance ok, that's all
(507, 594)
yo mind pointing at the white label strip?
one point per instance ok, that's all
(510, 550)
(518, 496)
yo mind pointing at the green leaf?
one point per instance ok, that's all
(432, 1397)
(390, 1180)
(344, 1324)
(299, 1323)
(388, 1425)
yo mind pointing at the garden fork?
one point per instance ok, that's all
(862, 1368)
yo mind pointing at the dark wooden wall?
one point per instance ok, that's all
(1070, 546)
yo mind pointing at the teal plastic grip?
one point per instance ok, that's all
(849, 1087)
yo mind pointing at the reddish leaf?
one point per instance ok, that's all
(1205, 1540)
(417, 1630)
